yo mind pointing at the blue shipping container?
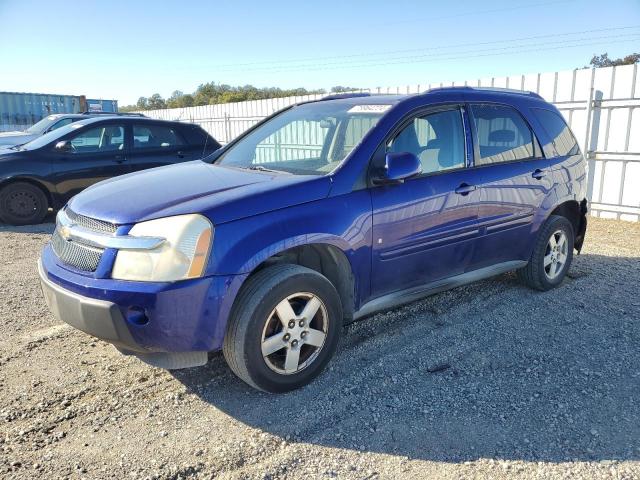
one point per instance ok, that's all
(21, 110)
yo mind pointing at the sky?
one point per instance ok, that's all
(124, 49)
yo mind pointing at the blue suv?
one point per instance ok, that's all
(322, 214)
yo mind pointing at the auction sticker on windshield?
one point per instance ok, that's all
(369, 109)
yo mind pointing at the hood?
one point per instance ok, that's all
(221, 193)
(7, 153)
(15, 138)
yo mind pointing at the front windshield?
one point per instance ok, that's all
(309, 139)
(51, 136)
(42, 125)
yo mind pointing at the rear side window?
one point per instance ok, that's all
(502, 133)
(155, 136)
(563, 143)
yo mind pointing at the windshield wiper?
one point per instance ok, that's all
(260, 168)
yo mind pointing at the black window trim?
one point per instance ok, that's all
(538, 153)
(404, 122)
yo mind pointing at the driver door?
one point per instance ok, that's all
(94, 153)
(424, 229)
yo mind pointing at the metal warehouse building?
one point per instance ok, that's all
(21, 110)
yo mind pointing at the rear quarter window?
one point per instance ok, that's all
(195, 135)
(562, 143)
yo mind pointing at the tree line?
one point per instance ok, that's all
(212, 93)
(599, 61)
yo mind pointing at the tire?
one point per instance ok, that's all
(254, 319)
(22, 203)
(548, 267)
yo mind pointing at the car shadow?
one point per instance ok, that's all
(47, 226)
(489, 370)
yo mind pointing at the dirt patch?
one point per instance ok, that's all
(491, 380)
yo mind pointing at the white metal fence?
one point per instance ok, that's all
(11, 127)
(601, 106)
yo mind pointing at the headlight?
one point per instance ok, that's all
(183, 255)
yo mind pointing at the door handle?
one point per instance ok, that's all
(538, 174)
(180, 155)
(119, 158)
(465, 189)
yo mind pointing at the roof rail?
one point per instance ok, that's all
(338, 96)
(485, 89)
(119, 114)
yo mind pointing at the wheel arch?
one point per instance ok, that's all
(576, 213)
(326, 259)
(47, 192)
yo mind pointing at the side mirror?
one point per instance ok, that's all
(64, 146)
(399, 166)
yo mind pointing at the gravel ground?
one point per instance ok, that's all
(488, 381)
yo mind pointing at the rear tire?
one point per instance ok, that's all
(22, 203)
(551, 256)
(284, 328)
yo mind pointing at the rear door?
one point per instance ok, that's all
(157, 144)
(96, 152)
(424, 228)
(513, 179)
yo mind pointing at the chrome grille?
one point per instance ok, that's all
(91, 223)
(77, 254)
(82, 257)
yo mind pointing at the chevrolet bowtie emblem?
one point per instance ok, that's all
(65, 233)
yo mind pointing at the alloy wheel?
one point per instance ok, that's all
(555, 255)
(294, 333)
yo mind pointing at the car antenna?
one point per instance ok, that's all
(206, 140)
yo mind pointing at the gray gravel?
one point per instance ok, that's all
(487, 381)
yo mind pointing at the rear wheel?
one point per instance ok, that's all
(284, 328)
(22, 203)
(551, 256)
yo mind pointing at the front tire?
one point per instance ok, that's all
(551, 256)
(22, 203)
(284, 328)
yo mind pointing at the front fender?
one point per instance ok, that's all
(287, 243)
(343, 221)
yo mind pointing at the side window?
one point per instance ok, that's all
(155, 136)
(101, 139)
(563, 143)
(437, 139)
(61, 123)
(502, 133)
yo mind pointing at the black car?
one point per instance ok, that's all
(46, 172)
(49, 124)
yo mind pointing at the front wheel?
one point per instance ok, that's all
(551, 256)
(284, 328)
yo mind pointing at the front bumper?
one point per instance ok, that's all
(99, 318)
(171, 325)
